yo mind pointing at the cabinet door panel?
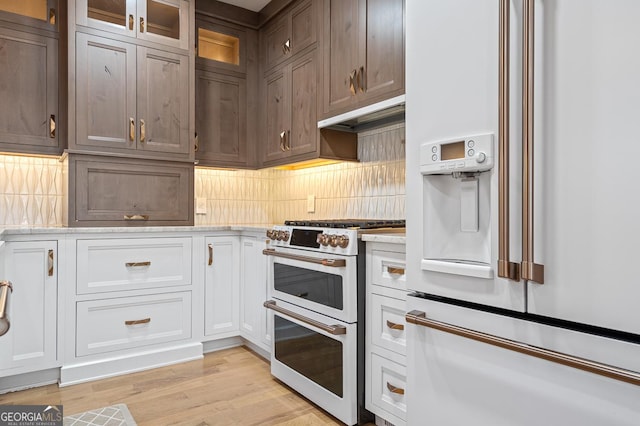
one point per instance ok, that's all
(303, 26)
(116, 16)
(384, 62)
(105, 92)
(341, 29)
(165, 22)
(29, 73)
(30, 342)
(221, 122)
(222, 286)
(304, 113)
(277, 115)
(163, 101)
(275, 37)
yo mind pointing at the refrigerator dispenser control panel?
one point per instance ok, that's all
(469, 154)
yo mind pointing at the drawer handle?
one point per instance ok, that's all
(393, 270)
(136, 322)
(134, 264)
(394, 389)
(50, 263)
(136, 217)
(394, 326)
(210, 247)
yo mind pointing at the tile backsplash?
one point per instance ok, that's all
(32, 189)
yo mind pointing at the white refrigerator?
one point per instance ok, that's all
(523, 134)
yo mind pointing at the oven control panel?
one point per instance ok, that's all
(327, 240)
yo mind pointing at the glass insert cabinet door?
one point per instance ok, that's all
(160, 21)
(39, 13)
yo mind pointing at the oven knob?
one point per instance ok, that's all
(343, 241)
(323, 239)
(333, 241)
(286, 236)
(282, 236)
(271, 233)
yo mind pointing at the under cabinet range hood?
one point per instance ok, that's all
(380, 114)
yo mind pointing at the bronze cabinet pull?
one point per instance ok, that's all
(506, 268)
(420, 318)
(141, 24)
(360, 80)
(394, 326)
(394, 270)
(131, 22)
(143, 131)
(352, 82)
(50, 263)
(335, 330)
(394, 389)
(210, 247)
(286, 46)
(530, 270)
(336, 263)
(52, 16)
(5, 292)
(136, 217)
(132, 129)
(283, 136)
(137, 264)
(52, 126)
(136, 322)
(197, 143)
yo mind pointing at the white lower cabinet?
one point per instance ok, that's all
(221, 287)
(30, 344)
(109, 325)
(254, 318)
(386, 344)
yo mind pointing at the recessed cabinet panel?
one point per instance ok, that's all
(117, 191)
(221, 122)
(114, 265)
(304, 112)
(277, 115)
(163, 101)
(132, 322)
(105, 93)
(29, 101)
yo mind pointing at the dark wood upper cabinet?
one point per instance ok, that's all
(163, 22)
(363, 53)
(30, 107)
(290, 33)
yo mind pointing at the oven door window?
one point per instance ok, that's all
(315, 356)
(319, 287)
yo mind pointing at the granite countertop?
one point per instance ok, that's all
(34, 230)
(391, 237)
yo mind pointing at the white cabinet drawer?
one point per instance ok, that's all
(129, 322)
(388, 323)
(132, 264)
(388, 384)
(388, 269)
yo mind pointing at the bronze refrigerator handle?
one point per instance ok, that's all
(530, 270)
(137, 264)
(50, 263)
(394, 326)
(420, 318)
(506, 268)
(336, 330)
(210, 248)
(136, 322)
(395, 389)
(5, 292)
(336, 263)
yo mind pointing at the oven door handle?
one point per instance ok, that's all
(336, 330)
(335, 263)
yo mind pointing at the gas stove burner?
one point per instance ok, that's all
(349, 223)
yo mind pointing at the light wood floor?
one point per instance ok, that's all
(230, 387)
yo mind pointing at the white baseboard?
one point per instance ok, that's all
(257, 349)
(125, 364)
(220, 344)
(29, 380)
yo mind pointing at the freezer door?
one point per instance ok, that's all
(586, 150)
(456, 380)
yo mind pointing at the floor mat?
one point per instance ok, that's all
(114, 415)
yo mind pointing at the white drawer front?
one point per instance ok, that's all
(388, 384)
(130, 322)
(388, 325)
(132, 264)
(388, 269)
